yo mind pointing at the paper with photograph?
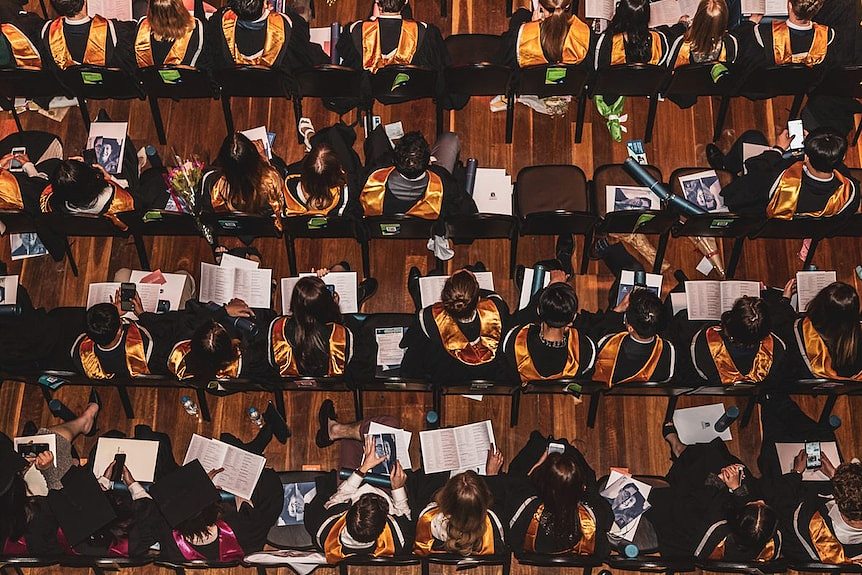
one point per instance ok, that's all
(628, 499)
(108, 139)
(622, 198)
(8, 290)
(402, 441)
(26, 245)
(296, 497)
(703, 189)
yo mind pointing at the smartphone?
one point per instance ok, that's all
(640, 278)
(812, 455)
(163, 306)
(127, 296)
(119, 464)
(89, 156)
(331, 288)
(33, 449)
(17, 166)
(556, 448)
(794, 128)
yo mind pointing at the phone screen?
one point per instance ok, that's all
(16, 165)
(812, 455)
(127, 294)
(556, 448)
(794, 128)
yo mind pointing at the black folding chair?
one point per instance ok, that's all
(251, 82)
(696, 80)
(503, 560)
(466, 228)
(798, 229)
(100, 83)
(377, 562)
(405, 83)
(313, 227)
(479, 387)
(843, 82)
(744, 567)
(398, 227)
(30, 84)
(104, 565)
(584, 563)
(472, 70)
(549, 80)
(633, 80)
(831, 568)
(325, 82)
(176, 83)
(237, 224)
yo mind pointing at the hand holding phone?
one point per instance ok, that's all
(127, 296)
(119, 465)
(797, 135)
(812, 455)
(556, 448)
(16, 164)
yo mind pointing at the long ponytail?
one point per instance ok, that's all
(554, 28)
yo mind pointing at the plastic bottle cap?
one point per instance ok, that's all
(432, 417)
(834, 421)
(185, 399)
(732, 411)
(631, 550)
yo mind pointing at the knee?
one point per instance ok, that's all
(450, 140)
(123, 275)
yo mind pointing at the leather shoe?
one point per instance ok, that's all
(714, 157)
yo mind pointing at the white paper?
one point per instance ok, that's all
(688, 7)
(622, 198)
(704, 266)
(430, 287)
(788, 451)
(49, 438)
(241, 469)
(394, 131)
(140, 456)
(527, 285)
(751, 150)
(809, 284)
(112, 9)
(492, 191)
(603, 9)
(697, 424)
(703, 189)
(171, 290)
(627, 282)
(775, 8)
(345, 284)
(389, 351)
(616, 482)
(8, 290)
(664, 13)
(37, 486)
(323, 37)
(229, 261)
(753, 7)
(708, 299)
(302, 562)
(109, 138)
(258, 136)
(104, 292)
(402, 442)
(456, 448)
(220, 285)
(678, 301)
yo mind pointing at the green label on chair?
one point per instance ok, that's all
(317, 223)
(228, 224)
(555, 75)
(643, 219)
(170, 76)
(390, 229)
(400, 79)
(91, 78)
(573, 388)
(152, 216)
(720, 223)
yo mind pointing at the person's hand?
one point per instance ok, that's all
(105, 173)
(238, 308)
(25, 159)
(375, 11)
(44, 460)
(128, 478)
(539, 462)
(6, 161)
(336, 298)
(826, 466)
(397, 477)
(495, 461)
(370, 459)
(756, 18)
(731, 476)
(782, 140)
(799, 462)
(789, 288)
(212, 473)
(320, 272)
(623, 305)
(557, 276)
(684, 19)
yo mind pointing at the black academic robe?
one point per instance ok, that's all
(743, 358)
(114, 361)
(756, 44)
(656, 53)
(30, 25)
(283, 330)
(430, 50)
(193, 56)
(509, 54)
(118, 49)
(23, 193)
(814, 526)
(40, 532)
(548, 362)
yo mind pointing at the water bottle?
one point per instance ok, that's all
(538, 279)
(190, 406)
(470, 172)
(631, 550)
(834, 421)
(432, 419)
(255, 416)
(725, 421)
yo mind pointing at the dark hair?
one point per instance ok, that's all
(560, 485)
(244, 169)
(391, 6)
(554, 28)
(412, 155)
(806, 9)
(464, 500)
(632, 19)
(366, 518)
(645, 313)
(312, 306)
(834, 313)
(13, 510)
(103, 323)
(247, 9)
(77, 183)
(321, 172)
(212, 349)
(558, 305)
(708, 26)
(460, 295)
(753, 526)
(847, 487)
(198, 526)
(67, 7)
(825, 148)
(747, 322)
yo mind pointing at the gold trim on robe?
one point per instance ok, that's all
(817, 354)
(294, 206)
(285, 360)
(575, 47)
(95, 54)
(456, 343)
(10, 192)
(135, 353)
(372, 57)
(332, 547)
(766, 554)
(618, 49)
(424, 542)
(527, 368)
(606, 362)
(177, 362)
(427, 207)
(144, 47)
(784, 53)
(585, 546)
(23, 50)
(274, 42)
(727, 370)
(683, 57)
(788, 187)
(828, 548)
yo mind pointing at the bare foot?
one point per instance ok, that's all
(89, 417)
(676, 445)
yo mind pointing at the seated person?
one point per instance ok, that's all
(22, 188)
(712, 509)
(457, 338)
(20, 33)
(550, 348)
(413, 179)
(741, 347)
(628, 39)
(462, 518)
(169, 36)
(797, 40)
(550, 35)
(197, 526)
(389, 39)
(358, 518)
(312, 340)
(829, 337)
(244, 181)
(706, 40)
(555, 506)
(249, 33)
(75, 38)
(638, 353)
(785, 187)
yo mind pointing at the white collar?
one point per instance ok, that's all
(793, 26)
(391, 16)
(70, 22)
(845, 534)
(349, 541)
(815, 178)
(263, 17)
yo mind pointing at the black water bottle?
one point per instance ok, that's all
(538, 279)
(470, 174)
(727, 419)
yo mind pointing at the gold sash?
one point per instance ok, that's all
(293, 206)
(10, 192)
(828, 548)
(385, 546)
(618, 49)
(766, 554)
(285, 359)
(94, 53)
(683, 57)
(427, 207)
(121, 201)
(177, 362)
(784, 53)
(456, 344)
(817, 354)
(424, 544)
(144, 47)
(575, 47)
(220, 195)
(785, 197)
(25, 52)
(585, 546)
(372, 57)
(727, 370)
(606, 363)
(136, 355)
(527, 369)
(275, 38)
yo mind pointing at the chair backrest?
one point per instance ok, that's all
(467, 49)
(475, 226)
(293, 535)
(102, 83)
(253, 82)
(788, 79)
(394, 84)
(17, 222)
(15, 82)
(472, 69)
(844, 81)
(309, 227)
(630, 80)
(551, 188)
(329, 81)
(178, 82)
(696, 80)
(614, 175)
(235, 224)
(552, 80)
(677, 187)
(160, 223)
(399, 226)
(82, 225)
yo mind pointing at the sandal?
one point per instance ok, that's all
(326, 413)
(668, 428)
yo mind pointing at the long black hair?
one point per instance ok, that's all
(312, 306)
(632, 19)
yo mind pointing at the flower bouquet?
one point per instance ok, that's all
(183, 181)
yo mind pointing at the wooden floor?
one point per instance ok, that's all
(628, 430)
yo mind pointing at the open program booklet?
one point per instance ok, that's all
(457, 448)
(242, 469)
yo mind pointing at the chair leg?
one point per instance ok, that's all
(358, 408)
(516, 408)
(671, 407)
(735, 254)
(827, 409)
(659, 252)
(593, 409)
(582, 111)
(126, 401)
(158, 122)
(44, 10)
(437, 402)
(85, 112)
(812, 248)
(510, 116)
(856, 134)
(426, 568)
(723, 108)
(513, 254)
(278, 398)
(507, 565)
(443, 9)
(290, 246)
(16, 117)
(747, 412)
(585, 255)
(439, 112)
(203, 405)
(650, 122)
(297, 114)
(71, 258)
(228, 115)
(796, 106)
(142, 252)
(366, 257)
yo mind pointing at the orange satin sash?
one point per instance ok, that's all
(828, 548)
(427, 207)
(23, 50)
(587, 543)
(372, 57)
(136, 355)
(618, 49)
(177, 362)
(95, 54)
(784, 53)
(294, 206)
(121, 201)
(727, 370)
(683, 57)
(788, 187)
(144, 47)
(527, 369)
(606, 362)
(424, 543)
(766, 554)
(334, 551)
(817, 354)
(285, 360)
(10, 192)
(575, 47)
(491, 326)
(276, 35)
